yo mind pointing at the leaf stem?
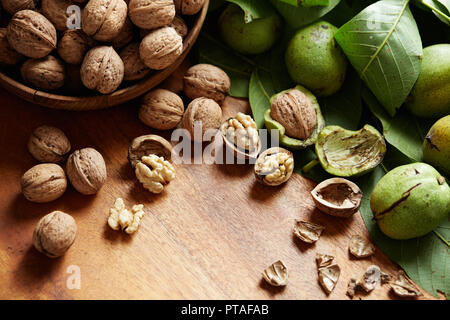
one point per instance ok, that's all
(308, 167)
(440, 236)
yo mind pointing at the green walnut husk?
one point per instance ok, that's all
(294, 143)
(410, 201)
(436, 146)
(347, 153)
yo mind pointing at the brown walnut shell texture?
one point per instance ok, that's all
(48, 144)
(104, 19)
(161, 109)
(102, 69)
(86, 170)
(151, 14)
(54, 234)
(189, 7)
(13, 6)
(44, 183)
(160, 48)
(56, 12)
(295, 112)
(46, 73)
(146, 145)
(31, 34)
(73, 45)
(8, 55)
(201, 110)
(205, 80)
(134, 68)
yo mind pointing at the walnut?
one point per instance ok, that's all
(160, 48)
(54, 234)
(73, 45)
(46, 73)
(177, 23)
(48, 144)
(44, 183)
(148, 144)
(148, 14)
(154, 173)
(276, 274)
(86, 170)
(8, 55)
(102, 69)
(161, 109)
(189, 7)
(121, 218)
(328, 277)
(360, 247)
(295, 112)
(56, 12)
(31, 34)
(205, 80)
(201, 113)
(307, 231)
(125, 36)
(274, 166)
(13, 6)
(104, 19)
(134, 68)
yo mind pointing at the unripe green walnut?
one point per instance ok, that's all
(410, 201)
(314, 59)
(436, 147)
(249, 38)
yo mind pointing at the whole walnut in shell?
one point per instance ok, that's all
(48, 144)
(73, 45)
(161, 109)
(153, 14)
(31, 34)
(8, 55)
(125, 36)
(13, 6)
(54, 234)
(56, 12)
(201, 111)
(47, 73)
(86, 170)
(206, 80)
(44, 183)
(134, 68)
(189, 7)
(102, 70)
(160, 48)
(104, 19)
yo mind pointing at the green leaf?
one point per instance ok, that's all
(404, 131)
(383, 44)
(254, 9)
(301, 16)
(291, 2)
(260, 90)
(440, 8)
(314, 3)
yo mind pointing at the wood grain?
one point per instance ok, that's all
(208, 236)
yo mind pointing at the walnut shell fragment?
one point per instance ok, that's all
(276, 274)
(307, 231)
(146, 145)
(337, 197)
(323, 260)
(370, 279)
(361, 247)
(274, 166)
(404, 287)
(328, 277)
(351, 288)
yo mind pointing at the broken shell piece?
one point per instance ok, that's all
(328, 277)
(276, 274)
(370, 279)
(385, 278)
(361, 247)
(403, 287)
(351, 288)
(337, 197)
(307, 231)
(323, 260)
(146, 145)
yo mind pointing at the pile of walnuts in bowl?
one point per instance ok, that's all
(117, 40)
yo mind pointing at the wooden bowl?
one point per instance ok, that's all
(98, 101)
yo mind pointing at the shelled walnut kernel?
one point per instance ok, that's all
(121, 218)
(154, 173)
(274, 166)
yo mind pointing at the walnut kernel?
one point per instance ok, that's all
(154, 173)
(121, 218)
(274, 166)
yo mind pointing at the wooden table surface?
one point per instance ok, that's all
(209, 235)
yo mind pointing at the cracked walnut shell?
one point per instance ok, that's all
(161, 109)
(44, 183)
(151, 14)
(307, 231)
(360, 247)
(148, 144)
(48, 144)
(73, 45)
(47, 73)
(160, 48)
(328, 277)
(276, 274)
(404, 287)
(206, 80)
(201, 113)
(154, 173)
(274, 166)
(31, 34)
(189, 7)
(104, 19)
(134, 68)
(54, 234)
(86, 170)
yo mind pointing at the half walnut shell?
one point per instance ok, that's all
(337, 197)
(146, 145)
